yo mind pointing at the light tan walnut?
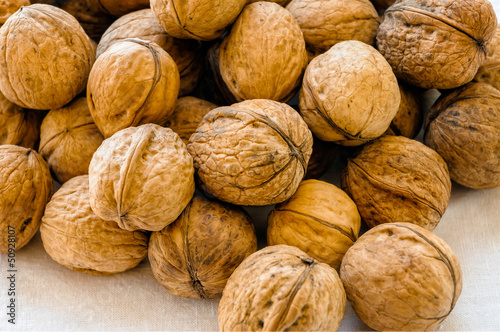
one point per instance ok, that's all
(9, 7)
(489, 71)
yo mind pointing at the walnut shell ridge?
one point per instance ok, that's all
(251, 153)
(489, 71)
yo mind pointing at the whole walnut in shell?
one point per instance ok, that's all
(281, 288)
(409, 118)
(26, 188)
(196, 19)
(489, 71)
(322, 158)
(349, 94)
(142, 24)
(397, 179)
(9, 7)
(120, 7)
(436, 43)
(45, 57)
(134, 82)
(188, 113)
(264, 55)
(401, 277)
(463, 126)
(74, 236)
(195, 255)
(325, 23)
(68, 140)
(320, 219)
(251, 153)
(141, 177)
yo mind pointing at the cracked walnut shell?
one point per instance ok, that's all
(251, 153)
(397, 179)
(401, 277)
(74, 236)
(195, 255)
(141, 177)
(280, 288)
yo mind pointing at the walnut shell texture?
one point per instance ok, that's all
(489, 71)
(74, 236)
(134, 82)
(142, 24)
(196, 19)
(320, 219)
(349, 94)
(397, 179)
(436, 43)
(24, 178)
(409, 118)
(120, 7)
(68, 140)
(264, 55)
(280, 288)
(251, 153)
(47, 66)
(141, 177)
(401, 277)
(463, 126)
(195, 255)
(9, 7)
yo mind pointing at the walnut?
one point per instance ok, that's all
(349, 94)
(68, 140)
(27, 177)
(74, 236)
(17, 125)
(264, 55)
(436, 44)
(120, 7)
(134, 82)
(463, 126)
(279, 2)
(401, 277)
(9, 7)
(196, 19)
(322, 157)
(141, 177)
(218, 89)
(49, 65)
(195, 255)
(397, 179)
(408, 120)
(188, 113)
(251, 153)
(489, 71)
(281, 288)
(325, 23)
(143, 25)
(320, 219)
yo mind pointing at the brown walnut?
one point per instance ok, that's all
(9, 7)
(26, 188)
(436, 43)
(489, 71)
(397, 179)
(74, 236)
(281, 288)
(401, 277)
(409, 118)
(279, 2)
(251, 153)
(195, 255)
(463, 126)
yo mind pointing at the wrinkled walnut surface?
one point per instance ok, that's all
(489, 71)
(280, 288)
(401, 277)
(74, 236)
(9, 7)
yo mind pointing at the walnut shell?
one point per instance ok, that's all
(436, 43)
(397, 179)
(26, 176)
(322, 158)
(320, 219)
(68, 140)
(463, 126)
(195, 255)
(325, 23)
(142, 24)
(17, 125)
(134, 82)
(120, 7)
(409, 118)
(489, 71)
(281, 288)
(349, 94)
(251, 153)
(9, 7)
(188, 113)
(74, 236)
(141, 177)
(196, 19)
(279, 2)
(264, 55)
(401, 277)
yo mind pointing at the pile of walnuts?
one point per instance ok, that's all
(161, 124)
